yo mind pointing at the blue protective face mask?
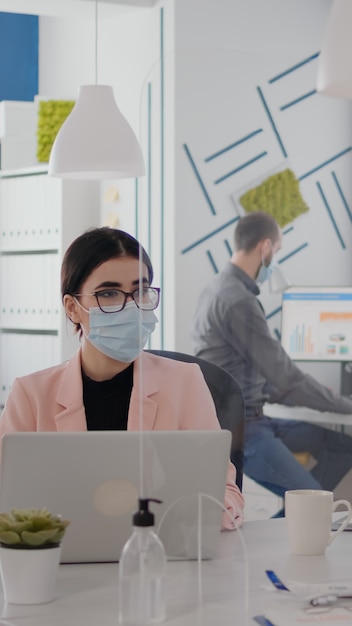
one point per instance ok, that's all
(264, 273)
(123, 335)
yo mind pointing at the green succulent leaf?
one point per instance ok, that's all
(9, 537)
(31, 528)
(39, 522)
(39, 538)
(59, 536)
(19, 527)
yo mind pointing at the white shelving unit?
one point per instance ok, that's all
(39, 217)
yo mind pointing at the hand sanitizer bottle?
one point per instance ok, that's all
(142, 570)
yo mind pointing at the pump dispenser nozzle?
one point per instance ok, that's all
(144, 517)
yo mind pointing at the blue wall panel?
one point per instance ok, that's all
(18, 56)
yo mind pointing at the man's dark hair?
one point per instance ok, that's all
(253, 228)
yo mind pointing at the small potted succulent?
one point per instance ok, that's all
(30, 549)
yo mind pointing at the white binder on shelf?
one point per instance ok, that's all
(34, 220)
(30, 291)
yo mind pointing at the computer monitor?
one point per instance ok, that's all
(316, 323)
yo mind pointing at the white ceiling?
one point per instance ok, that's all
(71, 8)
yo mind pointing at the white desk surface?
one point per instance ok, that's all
(87, 594)
(282, 411)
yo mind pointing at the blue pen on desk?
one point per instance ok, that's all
(275, 580)
(262, 620)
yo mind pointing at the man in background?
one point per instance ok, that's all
(230, 330)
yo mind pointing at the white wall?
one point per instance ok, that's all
(219, 58)
(225, 54)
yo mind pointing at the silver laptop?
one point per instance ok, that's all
(95, 478)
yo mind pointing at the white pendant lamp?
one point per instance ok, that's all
(335, 60)
(96, 141)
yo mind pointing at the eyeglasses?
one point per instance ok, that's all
(114, 300)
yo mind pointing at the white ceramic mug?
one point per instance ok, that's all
(308, 515)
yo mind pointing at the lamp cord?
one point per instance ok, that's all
(96, 43)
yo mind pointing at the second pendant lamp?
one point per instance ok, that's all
(334, 68)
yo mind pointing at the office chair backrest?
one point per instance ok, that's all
(228, 400)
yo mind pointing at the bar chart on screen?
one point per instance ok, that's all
(316, 323)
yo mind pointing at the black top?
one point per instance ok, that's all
(107, 402)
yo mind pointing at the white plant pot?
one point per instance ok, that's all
(29, 576)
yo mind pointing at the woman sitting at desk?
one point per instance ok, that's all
(112, 308)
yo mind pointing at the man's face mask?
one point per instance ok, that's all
(266, 268)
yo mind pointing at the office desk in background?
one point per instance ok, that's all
(281, 411)
(262, 503)
(337, 421)
(87, 595)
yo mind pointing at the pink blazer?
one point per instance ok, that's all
(174, 396)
